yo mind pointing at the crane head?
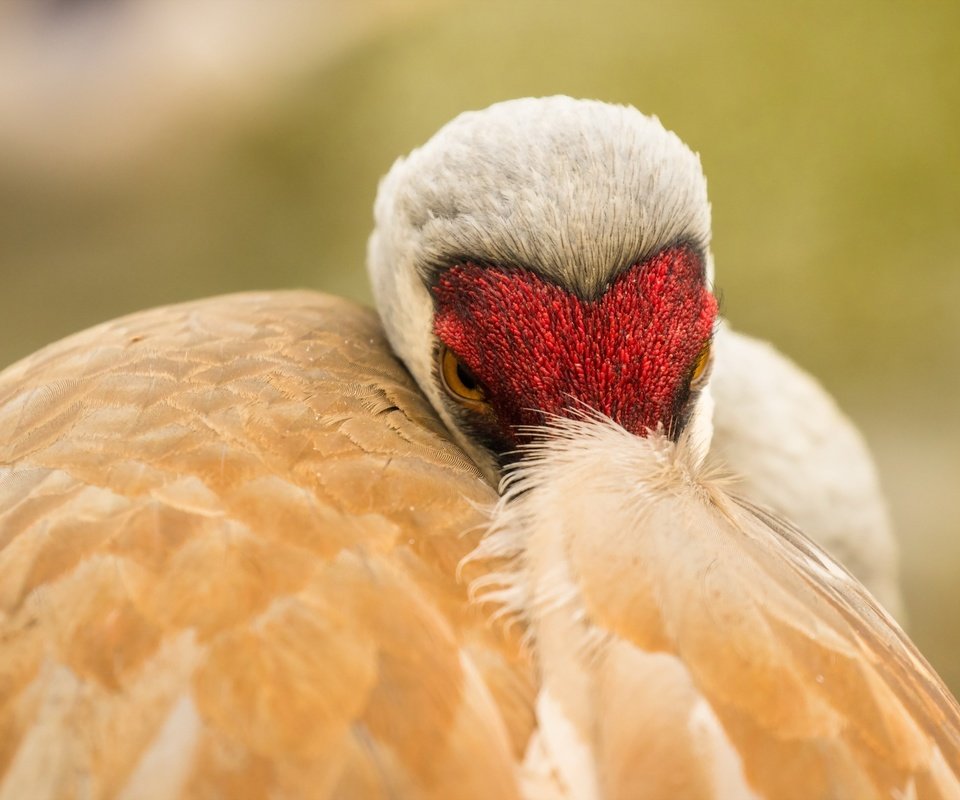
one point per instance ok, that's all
(544, 258)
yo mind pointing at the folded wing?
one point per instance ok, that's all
(229, 535)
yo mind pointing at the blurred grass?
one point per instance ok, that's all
(830, 134)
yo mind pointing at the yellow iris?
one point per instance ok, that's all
(459, 381)
(700, 367)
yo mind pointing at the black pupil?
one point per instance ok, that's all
(466, 377)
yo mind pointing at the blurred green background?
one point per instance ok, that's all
(156, 151)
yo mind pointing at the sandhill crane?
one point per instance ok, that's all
(246, 552)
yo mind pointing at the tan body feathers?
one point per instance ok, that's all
(247, 552)
(230, 531)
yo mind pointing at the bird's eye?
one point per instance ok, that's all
(460, 382)
(701, 364)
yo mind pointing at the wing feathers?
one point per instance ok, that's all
(655, 566)
(229, 536)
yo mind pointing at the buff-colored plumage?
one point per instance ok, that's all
(242, 556)
(230, 531)
(698, 647)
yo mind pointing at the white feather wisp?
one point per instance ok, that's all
(683, 635)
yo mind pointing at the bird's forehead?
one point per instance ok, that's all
(574, 190)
